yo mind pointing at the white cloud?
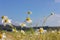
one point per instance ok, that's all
(53, 20)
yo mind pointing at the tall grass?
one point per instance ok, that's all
(32, 36)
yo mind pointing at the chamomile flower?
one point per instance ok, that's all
(22, 31)
(52, 13)
(53, 31)
(41, 30)
(22, 24)
(29, 12)
(4, 36)
(4, 17)
(14, 30)
(6, 21)
(28, 20)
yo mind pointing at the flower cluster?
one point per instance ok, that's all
(27, 20)
(5, 20)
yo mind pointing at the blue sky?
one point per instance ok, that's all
(16, 9)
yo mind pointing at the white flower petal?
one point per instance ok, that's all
(30, 21)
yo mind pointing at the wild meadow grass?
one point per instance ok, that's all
(28, 35)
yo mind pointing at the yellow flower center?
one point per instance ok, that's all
(28, 19)
(6, 21)
(29, 12)
(3, 17)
